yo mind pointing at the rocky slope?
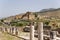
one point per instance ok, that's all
(31, 15)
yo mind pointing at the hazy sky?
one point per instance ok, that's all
(13, 7)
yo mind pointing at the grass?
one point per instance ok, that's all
(5, 36)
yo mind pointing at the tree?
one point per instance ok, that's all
(35, 14)
(46, 22)
(2, 20)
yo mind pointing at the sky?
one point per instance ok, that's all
(13, 7)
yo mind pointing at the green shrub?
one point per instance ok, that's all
(46, 22)
(2, 20)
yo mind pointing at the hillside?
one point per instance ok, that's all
(55, 13)
(50, 12)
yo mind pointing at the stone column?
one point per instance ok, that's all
(14, 32)
(11, 30)
(3, 29)
(8, 30)
(53, 35)
(40, 30)
(31, 32)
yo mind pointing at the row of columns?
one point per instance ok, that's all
(40, 32)
(11, 30)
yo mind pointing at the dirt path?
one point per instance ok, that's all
(5, 36)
